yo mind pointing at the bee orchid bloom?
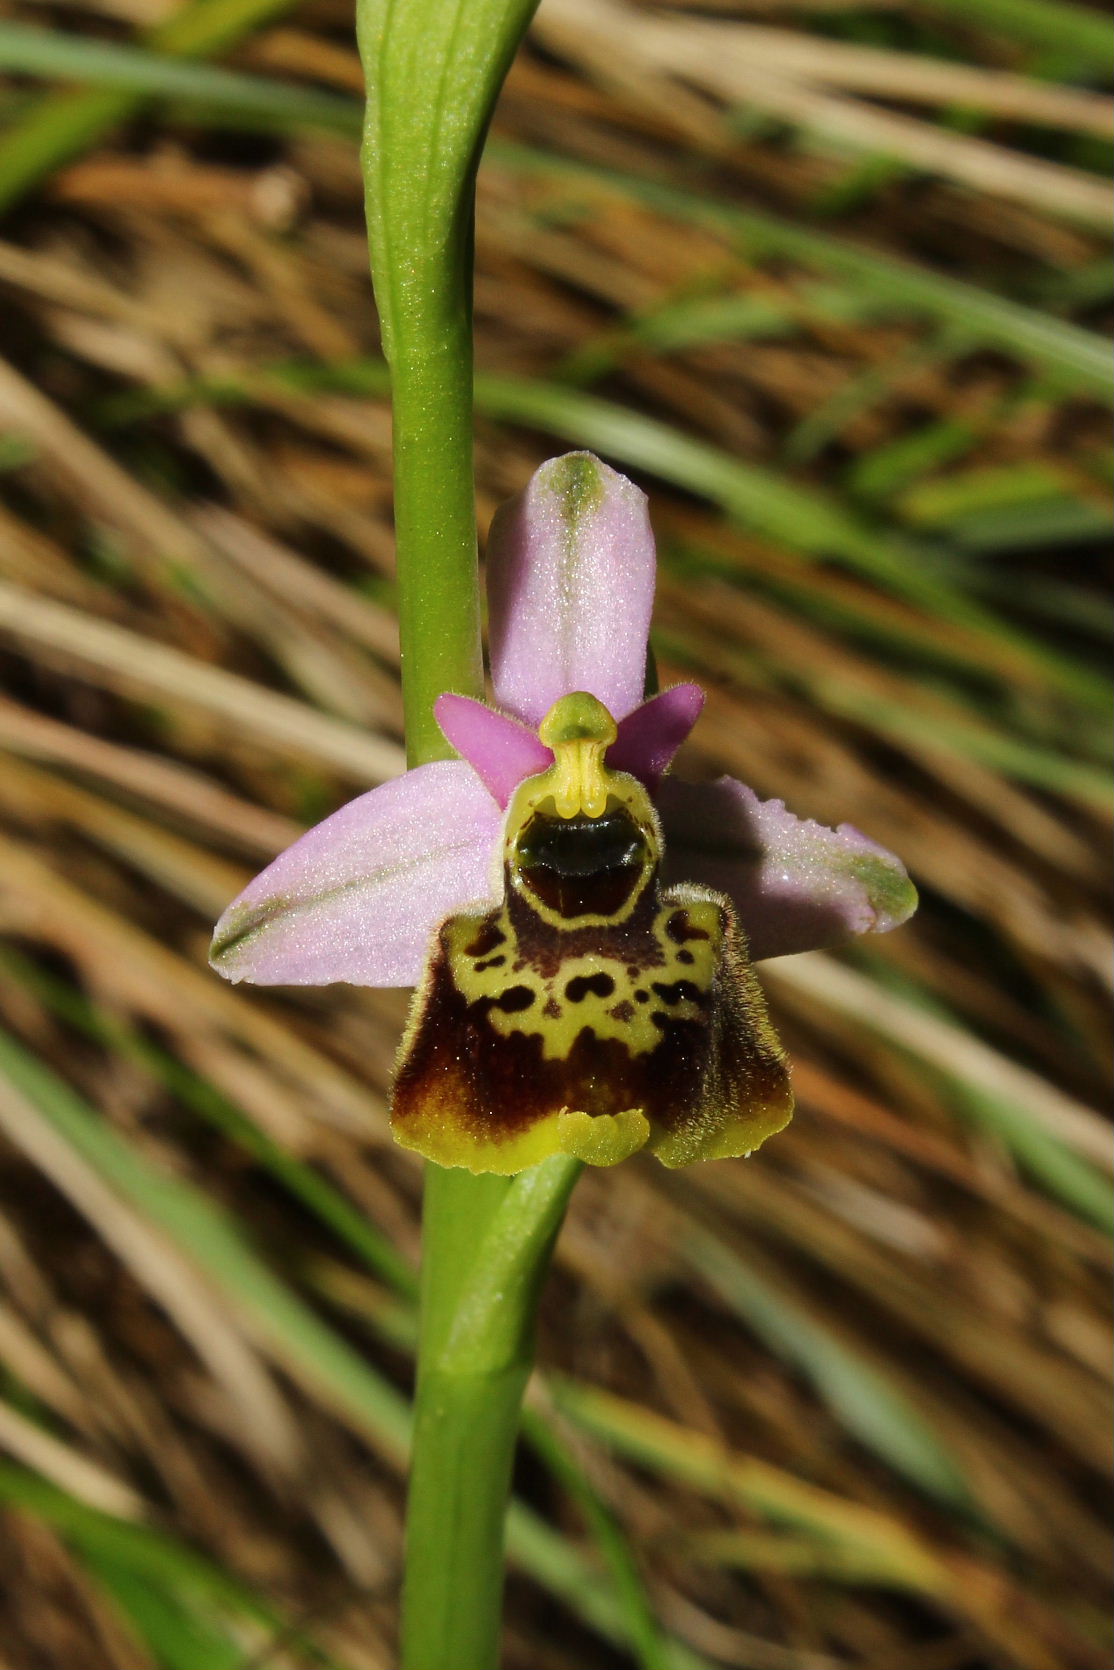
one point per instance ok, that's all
(580, 925)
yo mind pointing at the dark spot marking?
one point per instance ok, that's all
(552, 1010)
(661, 1020)
(514, 999)
(622, 1012)
(485, 941)
(497, 962)
(679, 928)
(678, 992)
(641, 996)
(463, 1076)
(685, 957)
(599, 985)
(633, 971)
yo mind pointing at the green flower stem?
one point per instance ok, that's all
(437, 396)
(433, 70)
(475, 1352)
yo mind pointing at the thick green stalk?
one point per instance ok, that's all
(433, 70)
(475, 1353)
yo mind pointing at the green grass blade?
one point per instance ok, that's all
(869, 1406)
(1060, 27)
(58, 128)
(301, 1181)
(190, 1595)
(1067, 1177)
(675, 325)
(1053, 770)
(1062, 1170)
(310, 1349)
(806, 520)
(61, 126)
(1074, 358)
(649, 1645)
(1010, 507)
(128, 69)
(803, 519)
(879, 1542)
(179, 1638)
(214, 1243)
(897, 464)
(551, 1559)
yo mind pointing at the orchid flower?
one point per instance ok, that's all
(581, 925)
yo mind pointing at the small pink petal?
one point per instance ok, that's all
(796, 885)
(499, 749)
(570, 585)
(651, 735)
(359, 896)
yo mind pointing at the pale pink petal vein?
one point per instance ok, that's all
(570, 584)
(359, 896)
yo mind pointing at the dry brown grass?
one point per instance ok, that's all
(846, 1402)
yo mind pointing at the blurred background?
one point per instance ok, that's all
(829, 278)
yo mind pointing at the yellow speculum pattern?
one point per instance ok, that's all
(565, 1002)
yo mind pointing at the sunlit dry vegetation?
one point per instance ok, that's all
(830, 281)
